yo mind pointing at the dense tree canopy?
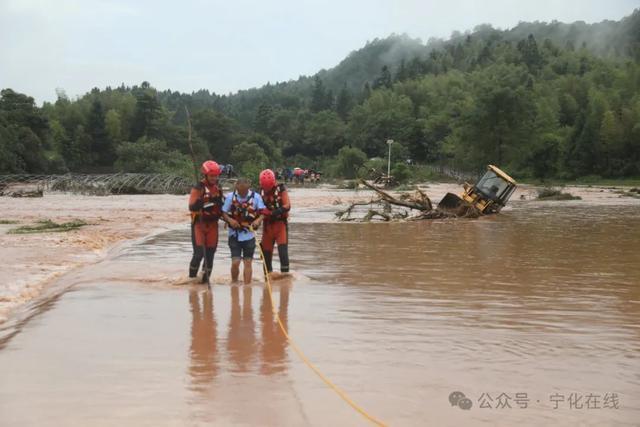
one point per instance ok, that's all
(542, 100)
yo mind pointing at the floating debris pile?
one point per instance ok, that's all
(412, 207)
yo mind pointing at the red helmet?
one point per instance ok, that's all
(267, 179)
(210, 168)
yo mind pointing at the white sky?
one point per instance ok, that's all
(228, 45)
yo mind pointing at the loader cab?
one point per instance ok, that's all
(489, 195)
(496, 185)
(492, 191)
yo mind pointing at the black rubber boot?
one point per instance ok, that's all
(193, 272)
(209, 264)
(196, 259)
(283, 254)
(205, 276)
(268, 259)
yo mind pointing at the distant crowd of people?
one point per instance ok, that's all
(298, 175)
(227, 170)
(292, 175)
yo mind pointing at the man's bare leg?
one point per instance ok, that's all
(235, 269)
(248, 271)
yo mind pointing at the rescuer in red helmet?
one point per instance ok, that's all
(276, 229)
(205, 205)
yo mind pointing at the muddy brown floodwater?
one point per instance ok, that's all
(532, 314)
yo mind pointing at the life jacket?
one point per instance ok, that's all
(243, 212)
(212, 202)
(273, 201)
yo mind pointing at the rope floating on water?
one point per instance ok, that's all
(343, 395)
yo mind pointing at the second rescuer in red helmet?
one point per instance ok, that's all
(205, 205)
(276, 228)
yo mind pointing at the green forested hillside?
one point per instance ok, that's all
(541, 100)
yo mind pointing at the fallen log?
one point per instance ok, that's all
(422, 202)
(345, 215)
(372, 213)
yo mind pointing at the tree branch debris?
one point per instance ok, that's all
(382, 205)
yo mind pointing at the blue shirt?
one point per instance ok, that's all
(258, 205)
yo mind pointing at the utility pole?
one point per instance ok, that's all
(389, 142)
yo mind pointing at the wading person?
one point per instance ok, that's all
(205, 204)
(242, 210)
(276, 230)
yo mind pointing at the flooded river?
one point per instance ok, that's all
(532, 314)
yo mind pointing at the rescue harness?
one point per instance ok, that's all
(243, 212)
(273, 201)
(212, 202)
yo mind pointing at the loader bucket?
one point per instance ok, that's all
(450, 201)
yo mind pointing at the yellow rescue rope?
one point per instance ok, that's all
(343, 395)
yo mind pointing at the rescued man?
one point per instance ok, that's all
(242, 210)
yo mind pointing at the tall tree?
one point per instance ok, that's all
(530, 53)
(101, 148)
(21, 110)
(384, 79)
(324, 134)
(217, 131)
(402, 73)
(318, 95)
(147, 113)
(263, 118)
(330, 101)
(366, 92)
(611, 141)
(113, 126)
(344, 102)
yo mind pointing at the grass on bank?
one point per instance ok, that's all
(634, 192)
(549, 193)
(48, 226)
(7, 221)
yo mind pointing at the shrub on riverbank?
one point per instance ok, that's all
(550, 193)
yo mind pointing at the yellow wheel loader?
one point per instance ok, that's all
(488, 195)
